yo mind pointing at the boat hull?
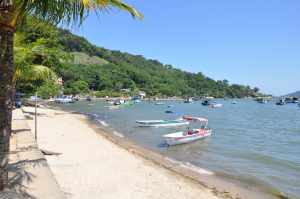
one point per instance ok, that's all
(161, 123)
(171, 141)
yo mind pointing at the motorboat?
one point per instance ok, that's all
(281, 102)
(262, 100)
(119, 102)
(234, 102)
(137, 101)
(206, 103)
(64, 100)
(189, 135)
(88, 98)
(216, 105)
(188, 100)
(169, 111)
(162, 123)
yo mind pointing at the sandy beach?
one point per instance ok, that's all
(90, 166)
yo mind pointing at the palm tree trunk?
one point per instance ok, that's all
(6, 102)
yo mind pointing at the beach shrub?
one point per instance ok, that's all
(48, 89)
(76, 87)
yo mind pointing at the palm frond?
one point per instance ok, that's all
(34, 72)
(68, 11)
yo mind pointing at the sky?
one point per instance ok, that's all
(253, 42)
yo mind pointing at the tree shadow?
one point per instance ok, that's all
(20, 130)
(33, 113)
(19, 176)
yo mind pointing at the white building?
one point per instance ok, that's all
(142, 94)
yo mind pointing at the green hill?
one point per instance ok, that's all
(76, 60)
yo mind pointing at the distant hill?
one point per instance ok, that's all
(107, 70)
(295, 94)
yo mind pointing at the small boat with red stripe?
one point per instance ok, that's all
(189, 135)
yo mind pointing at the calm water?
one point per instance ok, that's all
(252, 142)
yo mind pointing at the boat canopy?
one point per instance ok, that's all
(195, 119)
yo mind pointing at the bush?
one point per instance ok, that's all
(76, 87)
(48, 89)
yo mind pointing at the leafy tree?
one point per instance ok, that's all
(76, 87)
(12, 12)
(48, 89)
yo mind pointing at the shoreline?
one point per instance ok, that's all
(220, 184)
(221, 188)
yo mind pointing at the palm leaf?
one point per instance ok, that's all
(68, 11)
(34, 72)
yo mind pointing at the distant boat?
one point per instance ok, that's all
(281, 102)
(206, 103)
(159, 103)
(169, 111)
(119, 102)
(188, 100)
(295, 100)
(169, 106)
(137, 101)
(88, 99)
(190, 135)
(262, 101)
(64, 100)
(162, 123)
(216, 105)
(234, 102)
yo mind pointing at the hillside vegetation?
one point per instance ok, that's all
(85, 67)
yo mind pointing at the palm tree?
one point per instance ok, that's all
(12, 12)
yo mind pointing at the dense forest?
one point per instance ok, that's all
(44, 53)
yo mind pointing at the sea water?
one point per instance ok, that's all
(258, 144)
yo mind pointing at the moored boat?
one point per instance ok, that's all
(188, 100)
(206, 103)
(64, 100)
(88, 98)
(169, 111)
(216, 105)
(119, 102)
(162, 123)
(190, 135)
(281, 102)
(262, 101)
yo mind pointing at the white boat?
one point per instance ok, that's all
(234, 102)
(159, 103)
(162, 123)
(188, 100)
(217, 105)
(119, 102)
(137, 101)
(64, 100)
(190, 135)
